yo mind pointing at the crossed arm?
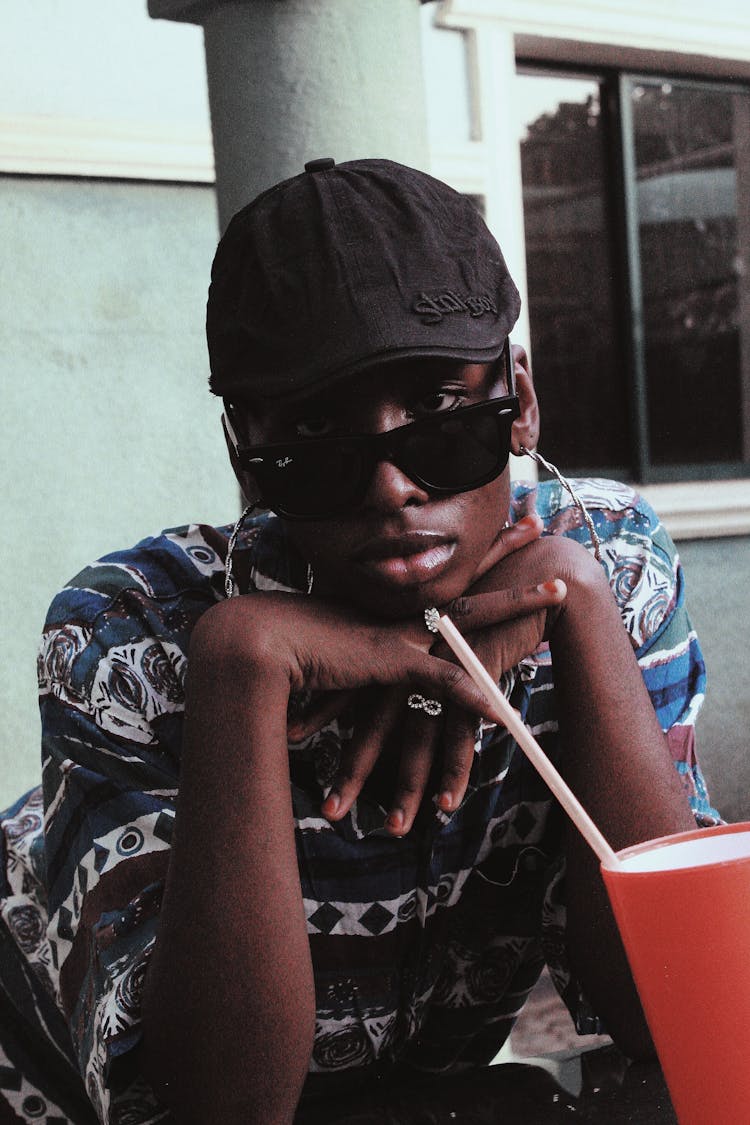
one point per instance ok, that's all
(232, 1042)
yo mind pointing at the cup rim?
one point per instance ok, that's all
(678, 838)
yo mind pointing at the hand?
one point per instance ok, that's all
(500, 646)
(385, 722)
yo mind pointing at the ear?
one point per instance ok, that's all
(246, 480)
(525, 430)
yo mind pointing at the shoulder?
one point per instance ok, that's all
(615, 507)
(182, 563)
(178, 560)
(623, 519)
(155, 591)
(636, 550)
(136, 606)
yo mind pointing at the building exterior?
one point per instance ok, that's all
(607, 143)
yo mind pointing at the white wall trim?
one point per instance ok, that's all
(461, 166)
(41, 145)
(702, 509)
(490, 164)
(720, 29)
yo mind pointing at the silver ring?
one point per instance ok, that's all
(431, 618)
(431, 707)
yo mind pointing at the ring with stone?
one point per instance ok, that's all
(431, 618)
(431, 707)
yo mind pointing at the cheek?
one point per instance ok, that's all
(483, 513)
(249, 488)
(322, 544)
(480, 520)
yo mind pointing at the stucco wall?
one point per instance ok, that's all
(108, 430)
(718, 596)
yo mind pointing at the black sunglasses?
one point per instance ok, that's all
(324, 477)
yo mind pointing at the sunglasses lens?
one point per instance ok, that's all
(327, 477)
(318, 481)
(459, 454)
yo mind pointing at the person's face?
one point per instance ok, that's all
(403, 548)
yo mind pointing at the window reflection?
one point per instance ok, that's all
(691, 269)
(664, 392)
(569, 265)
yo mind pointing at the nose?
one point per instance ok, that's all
(391, 489)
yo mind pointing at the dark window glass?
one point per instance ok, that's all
(577, 360)
(691, 268)
(637, 224)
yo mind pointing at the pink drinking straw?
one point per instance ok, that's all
(527, 742)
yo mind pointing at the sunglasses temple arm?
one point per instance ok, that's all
(510, 367)
(226, 422)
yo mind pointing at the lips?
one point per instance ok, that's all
(406, 560)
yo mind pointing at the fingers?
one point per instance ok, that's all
(499, 606)
(388, 731)
(497, 649)
(391, 732)
(380, 713)
(328, 706)
(511, 539)
(420, 734)
(460, 741)
(478, 611)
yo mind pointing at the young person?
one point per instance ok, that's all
(287, 848)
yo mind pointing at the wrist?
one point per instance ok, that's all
(589, 601)
(236, 694)
(232, 642)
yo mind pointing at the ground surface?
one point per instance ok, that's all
(545, 1025)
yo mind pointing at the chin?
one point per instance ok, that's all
(405, 602)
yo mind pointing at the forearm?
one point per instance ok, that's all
(229, 1003)
(617, 762)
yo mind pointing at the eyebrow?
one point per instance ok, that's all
(428, 372)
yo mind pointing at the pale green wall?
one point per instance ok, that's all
(108, 430)
(718, 597)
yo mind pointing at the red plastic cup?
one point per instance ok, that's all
(682, 905)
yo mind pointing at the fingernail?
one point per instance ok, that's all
(527, 521)
(395, 822)
(331, 804)
(445, 801)
(554, 586)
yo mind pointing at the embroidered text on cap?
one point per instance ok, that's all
(435, 306)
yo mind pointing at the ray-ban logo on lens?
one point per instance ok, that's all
(283, 462)
(435, 306)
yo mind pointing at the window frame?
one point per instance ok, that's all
(621, 208)
(705, 44)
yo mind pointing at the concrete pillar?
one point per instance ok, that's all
(292, 80)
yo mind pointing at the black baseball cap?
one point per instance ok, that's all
(348, 266)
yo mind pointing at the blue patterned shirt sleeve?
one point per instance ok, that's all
(648, 583)
(111, 680)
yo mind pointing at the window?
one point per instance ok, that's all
(637, 215)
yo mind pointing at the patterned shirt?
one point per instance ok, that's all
(424, 948)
